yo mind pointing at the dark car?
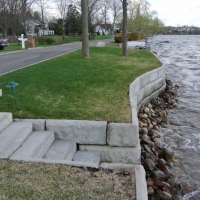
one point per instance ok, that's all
(3, 43)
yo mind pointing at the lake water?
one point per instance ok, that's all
(181, 56)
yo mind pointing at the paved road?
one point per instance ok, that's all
(10, 61)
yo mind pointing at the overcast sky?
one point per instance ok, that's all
(177, 12)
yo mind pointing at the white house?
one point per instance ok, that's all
(37, 27)
(104, 28)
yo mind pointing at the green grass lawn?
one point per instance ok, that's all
(69, 87)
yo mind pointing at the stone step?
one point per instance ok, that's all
(5, 120)
(87, 156)
(61, 150)
(35, 146)
(13, 136)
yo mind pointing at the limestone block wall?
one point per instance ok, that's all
(116, 142)
(144, 88)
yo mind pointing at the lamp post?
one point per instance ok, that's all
(12, 85)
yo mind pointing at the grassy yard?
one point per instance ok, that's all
(34, 181)
(69, 87)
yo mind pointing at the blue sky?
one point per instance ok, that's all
(177, 12)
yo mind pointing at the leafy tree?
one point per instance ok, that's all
(73, 20)
(142, 19)
(58, 28)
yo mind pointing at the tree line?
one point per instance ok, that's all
(15, 13)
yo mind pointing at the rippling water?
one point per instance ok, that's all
(181, 56)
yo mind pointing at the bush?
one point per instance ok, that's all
(131, 37)
(50, 40)
(134, 36)
(41, 40)
(118, 38)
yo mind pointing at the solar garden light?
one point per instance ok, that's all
(12, 85)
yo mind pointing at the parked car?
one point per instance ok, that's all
(3, 43)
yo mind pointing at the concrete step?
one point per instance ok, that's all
(5, 120)
(13, 136)
(61, 150)
(35, 146)
(87, 156)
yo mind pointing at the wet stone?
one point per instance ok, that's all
(158, 174)
(150, 191)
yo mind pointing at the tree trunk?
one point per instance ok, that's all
(63, 29)
(124, 31)
(85, 39)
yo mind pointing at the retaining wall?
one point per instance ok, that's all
(144, 88)
(116, 142)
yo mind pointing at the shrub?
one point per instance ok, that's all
(131, 37)
(41, 40)
(118, 38)
(50, 40)
(134, 36)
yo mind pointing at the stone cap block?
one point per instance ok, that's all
(126, 155)
(122, 135)
(38, 124)
(80, 131)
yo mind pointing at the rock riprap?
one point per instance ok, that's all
(156, 155)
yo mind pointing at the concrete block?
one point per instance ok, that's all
(145, 101)
(144, 80)
(161, 71)
(13, 136)
(133, 100)
(148, 89)
(134, 86)
(115, 154)
(35, 146)
(122, 135)
(159, 83)
(61, 150)
(134, 116)
(0, 92)
(87, 156)
(140, 94)
(80, 131)
(141, 194)
(153, 75)
(5, 120)
(38, 124)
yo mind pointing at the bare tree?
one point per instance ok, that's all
(43, 5)
(94, 6)
(115, 7)
(85, 39)
(105, 5)
(62, 7)
(13, 15)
